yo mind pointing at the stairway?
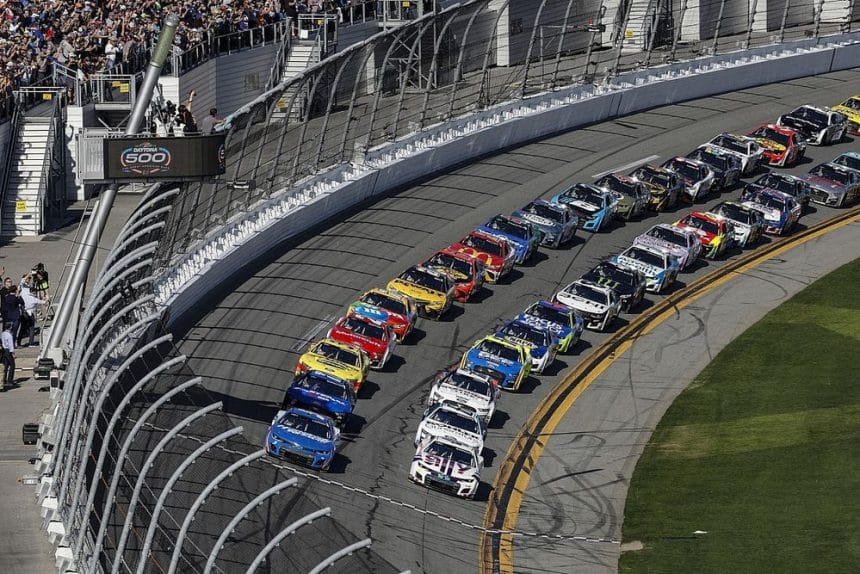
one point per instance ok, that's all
(22, 212)
(303, 54)
(636, 35)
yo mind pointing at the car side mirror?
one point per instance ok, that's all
(481, 460)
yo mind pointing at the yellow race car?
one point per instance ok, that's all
(850, 108)
(337, 359)
(432, 291)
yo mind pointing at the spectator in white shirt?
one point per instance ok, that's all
(8, 343)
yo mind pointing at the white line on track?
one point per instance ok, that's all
(311, 333)
(626, 166)
(401, 504)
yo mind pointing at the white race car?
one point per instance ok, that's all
(744, 148)
(599, 305)
(682, 244)
(659, 267)
(473, 390)
(447, 466)
(454, 423)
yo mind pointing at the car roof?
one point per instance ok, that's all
(307, 414)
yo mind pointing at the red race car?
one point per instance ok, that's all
(714, 231)
(375, 339)
(782, 147)
(494, 252)
(466, 270)
(388, 307)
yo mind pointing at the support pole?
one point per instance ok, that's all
(750, 24)
(784, 18)
(719, 22)
(95, 228)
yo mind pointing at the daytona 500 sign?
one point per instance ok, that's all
(164, 158)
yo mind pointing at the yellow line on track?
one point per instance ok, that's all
(512, 480)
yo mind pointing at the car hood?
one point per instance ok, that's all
(587, 306)
(301, 439)
(823, 183)
(544, 222)
(583, 206)
(663, 245)
(377, 314)
(498, 363)
(417, 292)
(770, 213)
(557, 328)
(446, 466)
(770, 145)
(438, 429)
(316, 362)
(463, 396)
(646, 268)
(326, 402)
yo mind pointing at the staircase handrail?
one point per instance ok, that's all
(9, 155)
(45, 176)
(82, 94)
(280, 61)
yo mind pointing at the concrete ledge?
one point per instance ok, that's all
(249, 235)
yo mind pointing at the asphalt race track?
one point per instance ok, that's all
(246, 345)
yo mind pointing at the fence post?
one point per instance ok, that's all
(531, 48)
(784, 18)
(818, 18)
(750, 24)
(677, 36)
(719, 23)
(622, 32)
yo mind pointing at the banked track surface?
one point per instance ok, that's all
(246, 344)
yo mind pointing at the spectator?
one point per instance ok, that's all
(8, 345)
(210, 122)
(40, 281)
(5, 290)
(185, 117)
(28, 317)
(13, 306)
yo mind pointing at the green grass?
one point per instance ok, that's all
(762, 451)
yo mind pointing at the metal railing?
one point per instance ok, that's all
(9, 158)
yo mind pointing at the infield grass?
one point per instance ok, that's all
(762, 451)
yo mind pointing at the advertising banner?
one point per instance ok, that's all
(164, 158)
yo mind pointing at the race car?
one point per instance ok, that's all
(320, 392)
(557, 223)
(659, 267)
(815, 125)
(630, 195)
(335, 358)
(746, 149)
(303, 436)
(790, 184)
(523, 236)
(747, 223)
(714, 232)
(432, 291)
(664, 186)
(833, 185)
(540, 341)
(377, 340)
(472, 390)
(698, 178)
(850, 108)
(452, 422)
(389, 308)
(599, 305)
(496, 254)
(510, 359)
(681, 244)
(781, 147)
(780, 210)
(849, 159)
(565, 323)
(725, 166)
(628, 284)
(594, 206)
(466, 271)
(447, 466)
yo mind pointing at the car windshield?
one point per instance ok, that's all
(543, 210)
(831, 173)
(731, 143)
(767, 200)
(470, 384)
(734, 212)
(584, 193)
(645, 256)
(668, 234)
(456, 420)
(588, 292)
(482, 244)
(686, 169)
(718, 161)
(385, 302)
(337, 353)
(450, 452)
(612, 272)
(365, 328)
(703, 224)
(323, 386)
(500, 223)
(498, 350)
(446, 261)
(853, 103)
(809, 114)
(305, 424)
(424, 279)
(848, 161)
(653, 176)
(549, 314)
(526, 333)
(777, 182)
(617, 184)
(772, 135)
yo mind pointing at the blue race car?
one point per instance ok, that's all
(780, 210)
(564, 322)
(321, 392)
(493, 354)
(556, 222)
(594, 206)
(540, 341)
(522, 235)
(304, 437)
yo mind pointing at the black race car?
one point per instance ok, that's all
(627, 283)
